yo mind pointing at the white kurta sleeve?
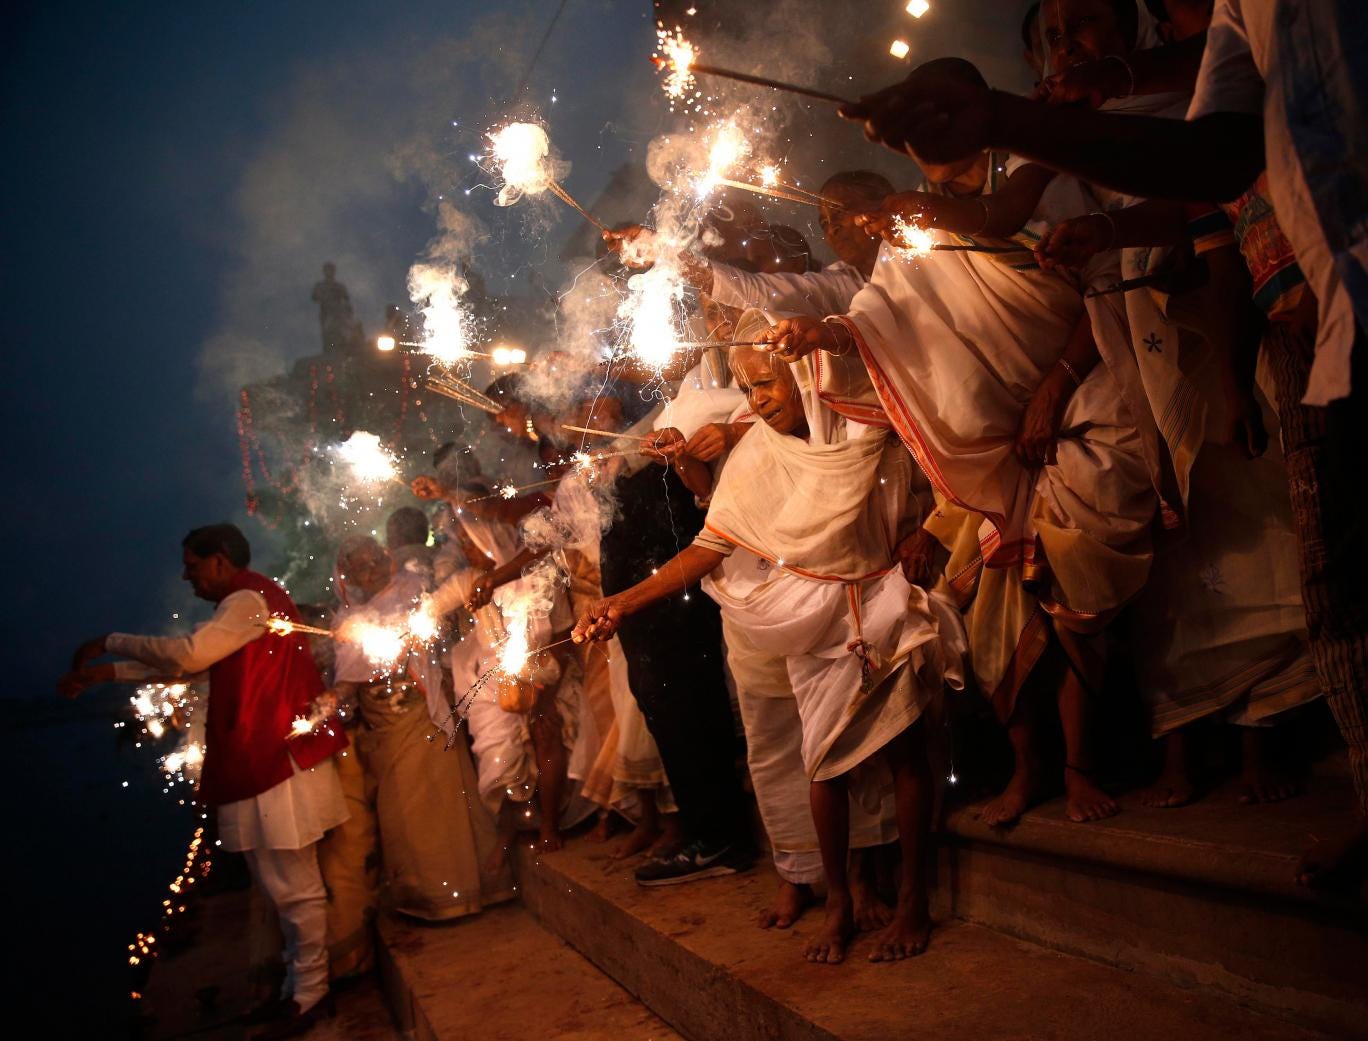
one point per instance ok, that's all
(816, 293)
(1229, 80)
(237, 622)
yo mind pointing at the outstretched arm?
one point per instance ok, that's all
(931, 116)
(601, 620)
(483, 589)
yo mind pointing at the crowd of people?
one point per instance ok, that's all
(1113, 420)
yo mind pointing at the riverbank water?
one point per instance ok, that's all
(96, 841)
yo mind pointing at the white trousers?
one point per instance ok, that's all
(291, 879)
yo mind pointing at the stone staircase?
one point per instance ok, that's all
(1160, 925)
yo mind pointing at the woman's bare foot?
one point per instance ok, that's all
(638, 839)
(871, 913)
(789, 903)
(1261, 780)
(1013, 801)
(1084, 800)
(829, 945)
(1173, 787)
(906, 936)
(1339, 862)
(603, 828)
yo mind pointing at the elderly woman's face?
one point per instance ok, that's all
(771, 391)
(369, 570)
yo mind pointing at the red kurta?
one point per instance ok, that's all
(255, 694)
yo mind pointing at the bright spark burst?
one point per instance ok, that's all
(729, 146)
(521, 154)
(913, 240)
(769, 176)
(447, 325)
(583, 460)
(280, 626)
(382, 645)
(301, 726)
(917, 8)
(676, 56)
(369, 460)
(509, 491)
(423, 623)
(514, 652)
(899, 49)
(649, 310)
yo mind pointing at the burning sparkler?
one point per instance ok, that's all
(680, 60)
(913, 240)
(521, 152)
(281, 626)
(382, 645)
(728, 148)
(459, 390)
(369, 460)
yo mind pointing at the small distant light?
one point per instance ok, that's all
(917, 8)
(384, 343)
(899, 49)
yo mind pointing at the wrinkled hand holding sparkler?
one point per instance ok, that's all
(521, 155)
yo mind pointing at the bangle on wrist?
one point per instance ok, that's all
(1111, 225)
(1073, 373)
(843, 343)
(1130, 73)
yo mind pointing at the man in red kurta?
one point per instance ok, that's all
(275, 794)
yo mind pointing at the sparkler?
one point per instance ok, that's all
(463, 392)
(522, 154)
(786, 193)
(285, 627)
(914, 240)
(681, 61)
(1126, 285)
(954, 247)
(604, 433)
(369, 460)
(728, 148)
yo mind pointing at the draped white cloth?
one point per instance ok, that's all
(956, 344)
(861, 645)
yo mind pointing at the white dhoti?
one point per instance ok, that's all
(278, 831)
(774, 755)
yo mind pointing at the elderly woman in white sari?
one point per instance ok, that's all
(823, 501)
(435, 834)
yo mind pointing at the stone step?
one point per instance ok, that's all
(694, 955)
(499, 976)
(1199, 896)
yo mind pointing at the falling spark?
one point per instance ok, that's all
(917, 8)
(900, 49)
(370, 462)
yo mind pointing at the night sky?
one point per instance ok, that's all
(176, 175)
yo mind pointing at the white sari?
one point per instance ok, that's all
(862, 646)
